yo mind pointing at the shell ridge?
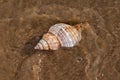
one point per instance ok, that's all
(76, 36)
(63, 38)
(56, 38)
(47, 43)
(73, 35)
(40, 47)
(69, 36)
(44, 43)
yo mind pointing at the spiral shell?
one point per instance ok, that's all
(60, 35)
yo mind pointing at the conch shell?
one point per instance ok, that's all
(60, 35)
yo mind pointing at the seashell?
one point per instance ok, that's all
(60, 35)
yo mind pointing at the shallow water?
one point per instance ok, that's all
(22, 24)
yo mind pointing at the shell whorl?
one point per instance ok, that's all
(60, 35)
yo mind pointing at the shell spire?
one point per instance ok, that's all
(61, 35)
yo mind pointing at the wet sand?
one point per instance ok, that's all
(23, 22)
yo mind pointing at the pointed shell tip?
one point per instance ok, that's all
(36, 47)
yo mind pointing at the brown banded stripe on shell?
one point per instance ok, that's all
(52, 41)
